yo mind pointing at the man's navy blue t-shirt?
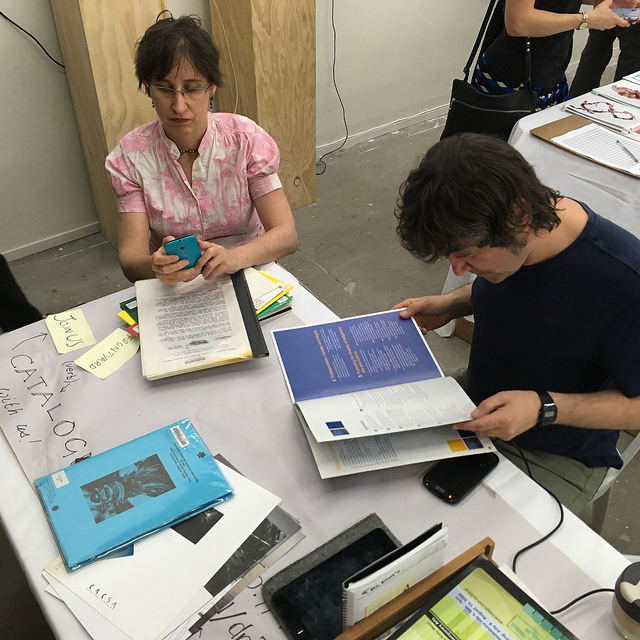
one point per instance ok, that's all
(570, 324)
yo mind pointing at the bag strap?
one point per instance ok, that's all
(476, 45)
(479, 38)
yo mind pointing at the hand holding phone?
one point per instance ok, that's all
(452, 479)
(628, 14)
(185, 248)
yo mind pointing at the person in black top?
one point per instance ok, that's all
(553, 366)
(549, 24)
(15, 310)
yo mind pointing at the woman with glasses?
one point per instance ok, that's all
(213, 175)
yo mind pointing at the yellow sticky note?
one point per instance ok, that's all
(109, 354)
(69, 330)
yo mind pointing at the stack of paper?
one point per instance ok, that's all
(603, 109)
(370, 395)
(129, 314)
(633, 77)
(171, 583)
(270, 295)
(622, 92)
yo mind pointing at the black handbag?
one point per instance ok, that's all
(477, 112)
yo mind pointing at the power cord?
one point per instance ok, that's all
(32, 37)
(582, 597)
(320, 160)
(547, 536)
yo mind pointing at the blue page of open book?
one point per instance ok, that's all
(354, 354)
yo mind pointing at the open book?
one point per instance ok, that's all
(196, 325)
(367, 388)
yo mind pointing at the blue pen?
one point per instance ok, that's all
(629, 153)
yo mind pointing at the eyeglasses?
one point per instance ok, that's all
(167, 93)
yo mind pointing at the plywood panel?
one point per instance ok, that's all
(97, 39)
(268, 58)
(112, 28)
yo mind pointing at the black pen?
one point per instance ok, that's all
(629, 153)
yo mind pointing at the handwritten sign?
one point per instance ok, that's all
(109, 354)
(69, 330)
(37, 387)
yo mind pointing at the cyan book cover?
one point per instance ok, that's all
(107, 502)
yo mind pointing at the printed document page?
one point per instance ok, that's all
(603, 146)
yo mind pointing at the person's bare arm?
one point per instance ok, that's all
(522, 19)
(278, 240)
(510, 413)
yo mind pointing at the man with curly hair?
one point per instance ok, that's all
(554, 367)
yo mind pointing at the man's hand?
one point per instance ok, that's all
(433, 312)
(504, 415)
(428, 311)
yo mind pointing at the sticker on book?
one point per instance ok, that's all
(109, 354)
(69, 330)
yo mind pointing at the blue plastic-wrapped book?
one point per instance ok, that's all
(105, 503)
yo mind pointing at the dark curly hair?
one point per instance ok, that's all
(471, 190)
(168, 41)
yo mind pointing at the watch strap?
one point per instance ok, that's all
(585, 21)
(548, 410)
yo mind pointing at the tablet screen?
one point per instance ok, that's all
(481, 602)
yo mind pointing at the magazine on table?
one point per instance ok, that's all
(372, 377)
(111, 500)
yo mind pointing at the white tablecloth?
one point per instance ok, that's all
(243, 411)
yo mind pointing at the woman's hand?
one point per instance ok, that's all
(602, 18)
(216, 260)
(169, 268)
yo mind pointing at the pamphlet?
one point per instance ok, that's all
(386, 578)
(109, 501)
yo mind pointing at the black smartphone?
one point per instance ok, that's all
(185, 248)
(453, 478)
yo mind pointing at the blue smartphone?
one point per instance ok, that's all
(185, 248)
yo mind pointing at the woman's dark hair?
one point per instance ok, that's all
(169, 41)
(471, 190)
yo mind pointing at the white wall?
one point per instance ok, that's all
(395, 60)
(45, 197)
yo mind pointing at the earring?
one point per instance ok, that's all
(153, 106)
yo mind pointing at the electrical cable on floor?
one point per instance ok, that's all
(32, 37)
(320, 160)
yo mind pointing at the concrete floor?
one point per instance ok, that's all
(348, 256)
